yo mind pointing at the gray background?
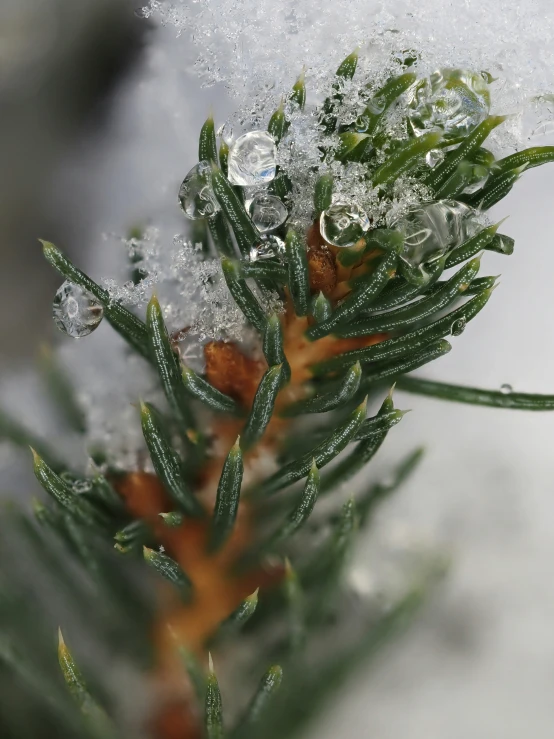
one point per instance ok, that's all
(480, 661)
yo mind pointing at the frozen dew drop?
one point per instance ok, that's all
(76, 311)
(506, 389)
(432, 229)
(343, 224)
(252, 159)
(270, 247)
(458, 327)
(453, 100)
(196, 195)
(267, 212)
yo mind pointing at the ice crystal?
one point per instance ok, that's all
(257, 49)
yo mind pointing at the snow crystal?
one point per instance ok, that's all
(258, 47)
(191, 288)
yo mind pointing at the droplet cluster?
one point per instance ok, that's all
(257, 50)
(252, 164)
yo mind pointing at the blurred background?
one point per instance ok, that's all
(98, 124)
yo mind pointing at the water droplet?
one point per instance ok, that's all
(487, 76)
(196, 195)
(143, 12)
(432, 229)
(377, 104)
(252, 159)
(76, 311)
(419, 275)
(453, 100)
(458, 327)
(362, 123)
(343, 224)
(506, 389)
(267, 212)
(270, 247)
(434, 157)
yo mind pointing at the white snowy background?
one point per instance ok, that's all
(479, 662)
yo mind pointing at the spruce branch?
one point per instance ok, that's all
(222, 517)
